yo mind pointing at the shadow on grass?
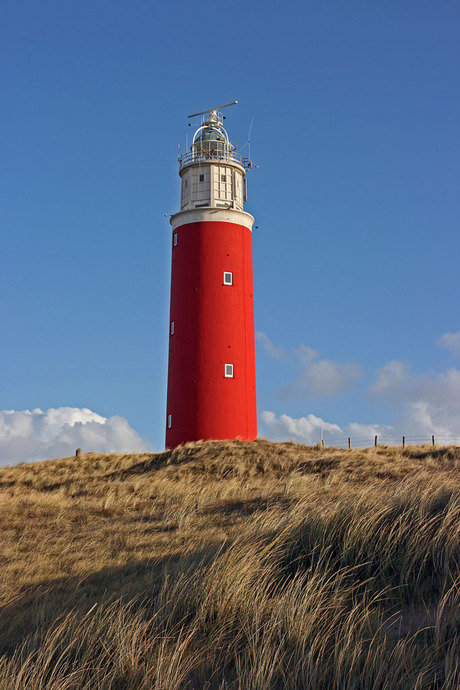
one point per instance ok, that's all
(38, 608)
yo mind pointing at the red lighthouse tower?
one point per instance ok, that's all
(211, 372)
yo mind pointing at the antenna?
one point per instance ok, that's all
(203, 112)
(249, 145)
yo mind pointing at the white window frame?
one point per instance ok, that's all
(172, 328)
(228, 375)
(228, 273)
(169, 421)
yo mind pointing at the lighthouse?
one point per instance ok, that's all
(211, 368)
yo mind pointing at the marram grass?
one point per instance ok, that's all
(232, 565)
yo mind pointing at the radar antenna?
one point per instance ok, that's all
(212, 110)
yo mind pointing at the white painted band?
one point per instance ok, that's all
(211, 214)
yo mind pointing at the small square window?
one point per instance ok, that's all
(228, 278)
(229, 371)
(169, 421)
(201, 178)
(175, 239)
(223, 178)
(172, 327)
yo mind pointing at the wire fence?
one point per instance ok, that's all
(382, 440)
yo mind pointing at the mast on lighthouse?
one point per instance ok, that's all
(211, 370)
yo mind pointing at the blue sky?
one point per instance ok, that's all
(355, 109)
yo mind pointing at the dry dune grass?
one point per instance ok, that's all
(232, 565)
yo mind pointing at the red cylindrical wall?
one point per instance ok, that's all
(213, 326)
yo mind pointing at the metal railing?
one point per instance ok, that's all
(226, 157)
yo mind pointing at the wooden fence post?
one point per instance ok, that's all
(404, 441)
(349, 443)
(432, 440)
(322, 443)
(375, 441)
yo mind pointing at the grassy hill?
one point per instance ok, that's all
(232, 565)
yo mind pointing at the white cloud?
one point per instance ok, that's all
(311, 429)
(275, 351)
(417, 424)
(320, 378)
(425, 405)
(326, 378)
(392, 381)
(367, 432)
(395, 383)
(305, 354)
(305, 429)
(428, 404)
(450, 341)
(36, 435)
